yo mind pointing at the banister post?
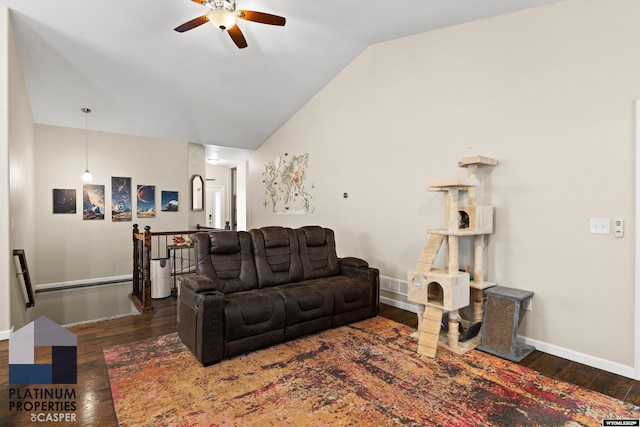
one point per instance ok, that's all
(135, 275)
(146, 271)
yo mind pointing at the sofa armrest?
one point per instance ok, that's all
(198, 283)
(358, 267)
(201, 314)
(354, 262)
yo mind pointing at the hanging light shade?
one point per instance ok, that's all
(86, 176)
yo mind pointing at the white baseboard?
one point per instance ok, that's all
(398, 287)
(134, 312)
(399, 304)
(585, 359)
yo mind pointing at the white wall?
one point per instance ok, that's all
(550, 93)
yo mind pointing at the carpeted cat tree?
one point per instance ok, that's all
(442, 293)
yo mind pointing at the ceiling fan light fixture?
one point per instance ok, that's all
(222, 18)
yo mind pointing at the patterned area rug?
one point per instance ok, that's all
(364, 374)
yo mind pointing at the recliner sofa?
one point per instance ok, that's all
(262, 287)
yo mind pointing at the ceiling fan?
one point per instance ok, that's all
(223, 14)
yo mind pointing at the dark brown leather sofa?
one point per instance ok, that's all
(259, 288)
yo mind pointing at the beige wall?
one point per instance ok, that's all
(21, 187)
(69, 248)
(549, 92)
(197, 166)
(5, 253)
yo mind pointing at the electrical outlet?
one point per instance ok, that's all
(618, 227)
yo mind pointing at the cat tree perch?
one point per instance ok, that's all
(440, 291)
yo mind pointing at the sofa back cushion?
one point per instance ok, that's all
(318, 252)
(276, 254)
(226, 257)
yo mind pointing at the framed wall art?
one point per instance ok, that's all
(120, 199)
(92, 202)
(146, 207)
(64, 200)
(169, 201)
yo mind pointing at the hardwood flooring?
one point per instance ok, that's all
(617, 386)
(94, 406)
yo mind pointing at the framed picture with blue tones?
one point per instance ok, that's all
(92, 202)
(120, 199)
(169, 201)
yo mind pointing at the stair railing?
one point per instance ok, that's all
(146, 245)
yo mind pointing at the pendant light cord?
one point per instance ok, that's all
(86, 139)
(87, 175)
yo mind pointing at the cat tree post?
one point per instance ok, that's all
(478, 277)
(452, 334)
(452, 255)
(471, 192)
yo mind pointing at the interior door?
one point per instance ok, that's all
(215, 205)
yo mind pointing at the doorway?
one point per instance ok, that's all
(215, 205)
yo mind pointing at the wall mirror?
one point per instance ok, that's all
(197, 193)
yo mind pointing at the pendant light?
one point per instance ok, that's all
(86, 176)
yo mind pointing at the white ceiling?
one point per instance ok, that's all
(122, 59)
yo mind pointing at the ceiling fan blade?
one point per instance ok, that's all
(192, 24)
(237, 37)
(199, 1)
(261, 17)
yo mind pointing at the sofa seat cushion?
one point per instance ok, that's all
(307, 300)
(253, 312)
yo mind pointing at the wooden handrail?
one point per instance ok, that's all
(24, 272)
(140, 235)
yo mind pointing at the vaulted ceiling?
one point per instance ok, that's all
(122, 59)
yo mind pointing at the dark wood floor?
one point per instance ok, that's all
(613, 385)
(93, 396)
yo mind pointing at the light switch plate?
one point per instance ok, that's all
(600, 225)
